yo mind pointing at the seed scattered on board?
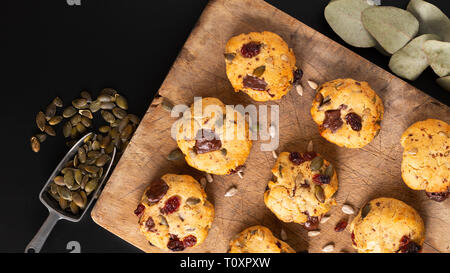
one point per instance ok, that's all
(231, 191)
(283, 234)
(328, 248)
(313, 233)
(274, 154)
(310, 147)
(313, 85)
(347, 209)
(324, 219)
(209, 177)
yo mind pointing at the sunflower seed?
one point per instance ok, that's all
(274, 154)
(40, 121)
(35, 144)
(328, 248)
(209, 178)
(49, 130)
(310, 147)
(347, 209)
(57, 102)
(313, 233)
(203, 182)
(283, 234)
(324, 219)
(122, 102)
(231, 191)
(240, 174)
(312, 84)
(299, 89)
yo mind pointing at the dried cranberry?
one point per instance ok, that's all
(437, 196)
(189, 241)
(308, 156)
(237, 169)
(312, 223)
(297, 76)
(175, 244)
(206, 141)
(156, 191)
(150, 224)
(410, 247)
(353, 239)
(333, 120)
(139, 210)
(321, 179)
(172, 204)
(404, 240)
(340, 226)
(251, 49)
(354, 120)
(254, 83)
(278, 244)
(296, 158)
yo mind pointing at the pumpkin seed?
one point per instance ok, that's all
(35, 144)
(123, 123)
(410, 61)
(229, 56)
(82, 155)
(299, 89)
(55, 120)
(63, 203)
(67, 129)
(313, 85)
(84, 196)
(105, 98)
(104, 129)
(86, 121)
(59, 180)
(50, 111)
(107, 116)
(110, 148)
(41, 137)
(310, 147)
(54, 188)
(209, 178)
(78, 176)
(431, 19)
(316, 163)
(69, 180)
(167, 105)
(91, 169)
(81, 128)
(122, 102)
(392, 27)
(69, 112)
(133, 118)
(86, 95)
(127, 131)
(274, 154)
(444, 82)
(175, 155)
(65, 193)
(49, 130)
(84, 181)
(319, 194)
(40, 120)
(79, 103)
(438, 54)
(329, 171)
(365, 210)
(91, 186)
(105, 141)
(114, 133)
(108, 91)
(86, 113)
(283, 234)
(119, 113)
(57, 102)
(102, 160)
(344, 17)
(75, 119)
(78, 200)
(94, 154)
(257, 72)
(95, 106)
(74, 208)
(191, 201)
(107, 105)
(324, 219)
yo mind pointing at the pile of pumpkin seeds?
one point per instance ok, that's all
(415, 38)
(81, 175)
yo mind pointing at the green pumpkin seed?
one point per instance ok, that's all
(80, 103)
(40, 121)
(107, 116)
(49, 130)
(316, 163)
(133, 118)
(344, 17)
(114, 133)
(59, 180)
(122, 102)
(75, 187)
(191, 201)
(431, 19)
(91, 169)
(104, 129)
(82, 155)
(410, 61)
(175, 155)
(223, 151)
(55, 120)
(63, 203)
(95, 106)
(108, 91)
(438, 55)
(65, 193)
(94, 154)
(86, 122)
(86, 113)
(86, 95)
(392, 27)
(78, 176)
(123, 123)
(74, 208)
(78, 200)
(69, 112)
(444, 82)
(67, 129)
(365, 210)
(229, 56)
(35, 144)
(329, 171)
(76, 162)
(54, 188)
(84, 181)
(41, 137)
(50, 111)
(95, 145)
(81, 128)
(91, 186)
(67, 170)
(119, 113)
(75, 119)
(126, 133)
(105, 141)
(69, 180)
(319, 194)
(105, 98)
(102, 160)
(107, 105)
(100, 172)
(167, 105)
(57, 102)
(110, 148)
(259, 71)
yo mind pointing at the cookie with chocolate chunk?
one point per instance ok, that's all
(426, 158)
(348, 112)
(387, 225)
(214, 140)
(174, 213)
(261, 64)
(258, 239)
(302, 189)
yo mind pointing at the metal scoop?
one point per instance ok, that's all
(55, 212)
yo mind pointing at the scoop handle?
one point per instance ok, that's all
(39, 239)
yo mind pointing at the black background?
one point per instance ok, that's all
(52, 49)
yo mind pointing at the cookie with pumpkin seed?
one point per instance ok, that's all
(387, 225)
(174, 213)
(348, 112)
(258, 239)
(302, 189)
(425, 162)
(261, 64)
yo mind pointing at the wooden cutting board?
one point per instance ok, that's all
(364, 174)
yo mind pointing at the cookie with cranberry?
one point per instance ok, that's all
(348, 112)
(387, 225)
(426, 158)
(174, 213)
(261, 65)
(258, 239)
(302, 188)
(214, 137)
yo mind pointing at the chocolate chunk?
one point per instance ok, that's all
(175, 244)
(206, 141)
(312, 223)
(333, 120)
(408, 246)
(254, 83)
(296, 158)
(150, 225)
(297, 76)
(156, 191)
(437, 196)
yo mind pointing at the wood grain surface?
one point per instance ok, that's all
(364, 174)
